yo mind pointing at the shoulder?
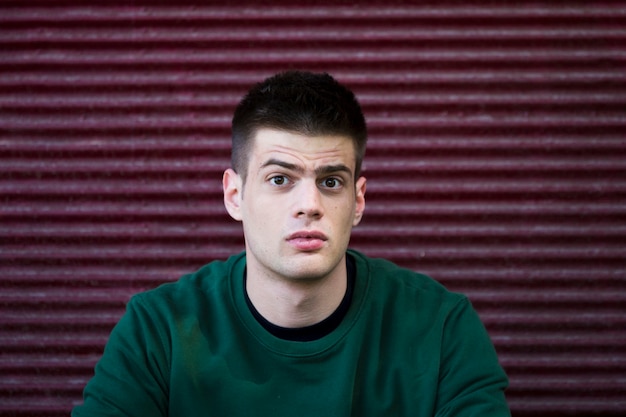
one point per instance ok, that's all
(387, 279)
(199, 287)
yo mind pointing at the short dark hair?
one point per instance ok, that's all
(299, 102)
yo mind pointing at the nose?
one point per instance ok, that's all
(308, 200)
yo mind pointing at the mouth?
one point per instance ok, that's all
(313, 234)
(307, 240)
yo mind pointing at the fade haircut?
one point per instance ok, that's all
(298, 102)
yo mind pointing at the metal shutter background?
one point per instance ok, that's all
(496, 163)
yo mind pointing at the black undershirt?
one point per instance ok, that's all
(314, 331)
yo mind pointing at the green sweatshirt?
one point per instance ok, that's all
(406, 347)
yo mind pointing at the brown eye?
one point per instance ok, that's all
(331, 182)
(278, 180)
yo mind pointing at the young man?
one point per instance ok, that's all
(298, 324)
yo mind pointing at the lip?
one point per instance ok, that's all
(308, 234)
(307, 240)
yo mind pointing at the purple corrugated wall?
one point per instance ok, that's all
(497, 164)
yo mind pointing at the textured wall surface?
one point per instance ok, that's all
(496, 164)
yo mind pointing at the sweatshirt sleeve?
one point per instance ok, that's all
(131, 378)
(471, 381)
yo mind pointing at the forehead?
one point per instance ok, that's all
(298, 148)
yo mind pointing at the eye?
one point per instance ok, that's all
(279, 180)
(331, 182)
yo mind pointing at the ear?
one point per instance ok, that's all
(360, 201)
(232, 184)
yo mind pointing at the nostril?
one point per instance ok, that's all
(309, 213)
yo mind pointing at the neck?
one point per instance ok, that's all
(295, 303)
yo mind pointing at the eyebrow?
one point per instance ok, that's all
(325, 169)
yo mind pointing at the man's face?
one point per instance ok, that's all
(299, 204)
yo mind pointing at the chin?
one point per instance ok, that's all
(311, 269)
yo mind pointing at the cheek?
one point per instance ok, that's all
(344, 213)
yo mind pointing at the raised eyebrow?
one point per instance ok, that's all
(323, 170)
(331, 169)
(283, 164)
